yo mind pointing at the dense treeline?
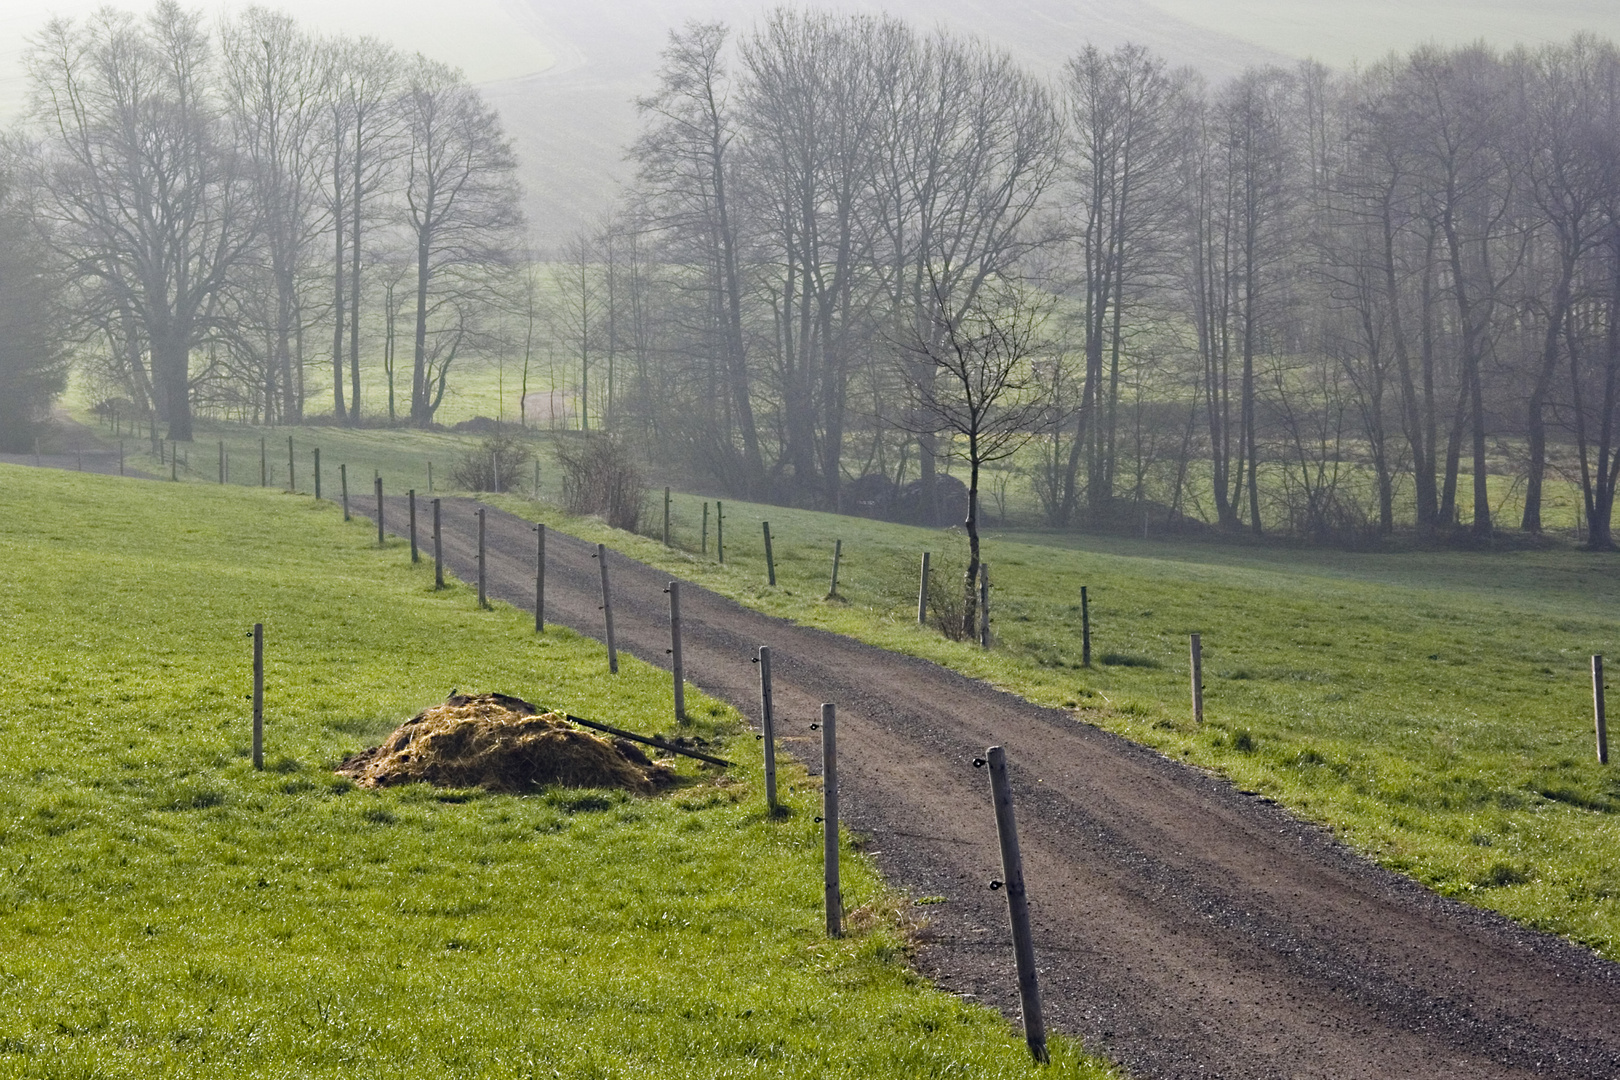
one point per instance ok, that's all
(225, 203)
(1320, 303)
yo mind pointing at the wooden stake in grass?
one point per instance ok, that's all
(222, 461)
(1085, 628)
(258, 695)
(984, 605)
(838, 554)
(1597, 711)
(767, 724)
(292, 484)
(483, 595)
(377, 483)
(540, 580)
(666, 517)
(120, 457)
(343, 482)
(264, 468)
(430, 476)
(832, 895)
(770, 559)
(720, 531)
(1012, 881)
(438, 549)
(410, 500)
(1197, 649)
(536, 479)
(607, 608)
(922, 592)
(677, 666)
(174, 461)
(317, 472)
(705, 548)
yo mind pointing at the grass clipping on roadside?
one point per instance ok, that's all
(502, 743)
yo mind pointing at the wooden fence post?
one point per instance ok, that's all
(483, 595)
(540, 580)
(120, 457)
(922, 592)
(380, 538)
(222, 461)
(264, 465)
(607, 609)
(666, 517)
(343, 482)
(1085, 628)
(1012, 881)
(770, 559)
(677, 664)
(317, 472)
(705, 528)
(495, 471)
(767, 724)
(1598, 712)
(536, 479)
(292, 484)
(438, 549)
(838, 553)
(411, 502)
(258, 695)
(430, 476)
(984, 605)
(174, 460)
(1197, 649)
(832, 895)
(720, 531)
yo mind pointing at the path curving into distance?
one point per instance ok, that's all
(1182, 927)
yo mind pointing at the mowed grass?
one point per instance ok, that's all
(165, 910)
(1433, 708)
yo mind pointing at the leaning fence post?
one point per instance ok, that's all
(767, 724)
(720, 531)
(838, 553)
(677, 666)
(540, 580)
(483, 596)
(438, 549)
(411, 501)
(666, 517)
(343, 482)
(1197, 650)
(770, 559)
(922, 592)
(1085, 628)
(378, 483)
(1597, 711)
(1012, 880)
(984, 605)
(258, 695)
(832, 895)
(607, 609)
(292, 484)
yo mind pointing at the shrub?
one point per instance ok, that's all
(599, 477)
(499, 464)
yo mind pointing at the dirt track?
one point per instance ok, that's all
(1186, 929)
(1183, 928)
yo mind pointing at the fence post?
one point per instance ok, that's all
(536, 479)
(984, 605)
(767, 724)
(770, 559)
(1197, 649)
(378, 483)
(1597, 711)
(540, 580)
(222, 461)
(343, 482)
(438, 549)
(120, 457)
(666, 517)
(495, 471)
(292, 484)
(258, 695)
(317, 472)
(1012, 880)
(483, 597)
(677, 665)
(832, 895)
(1085, 628)
(720, 531)
(705, 528)
(264, 465)
(174, 460)
(607, 609)
(430, 476)
(922, 592)
(838, 553)
(411, 501)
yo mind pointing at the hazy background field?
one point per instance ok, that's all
(565, 73)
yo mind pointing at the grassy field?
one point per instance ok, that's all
(1434, 709)
(165, 910)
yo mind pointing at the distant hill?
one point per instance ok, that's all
(565, 73)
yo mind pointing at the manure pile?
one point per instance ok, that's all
(502, 743)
